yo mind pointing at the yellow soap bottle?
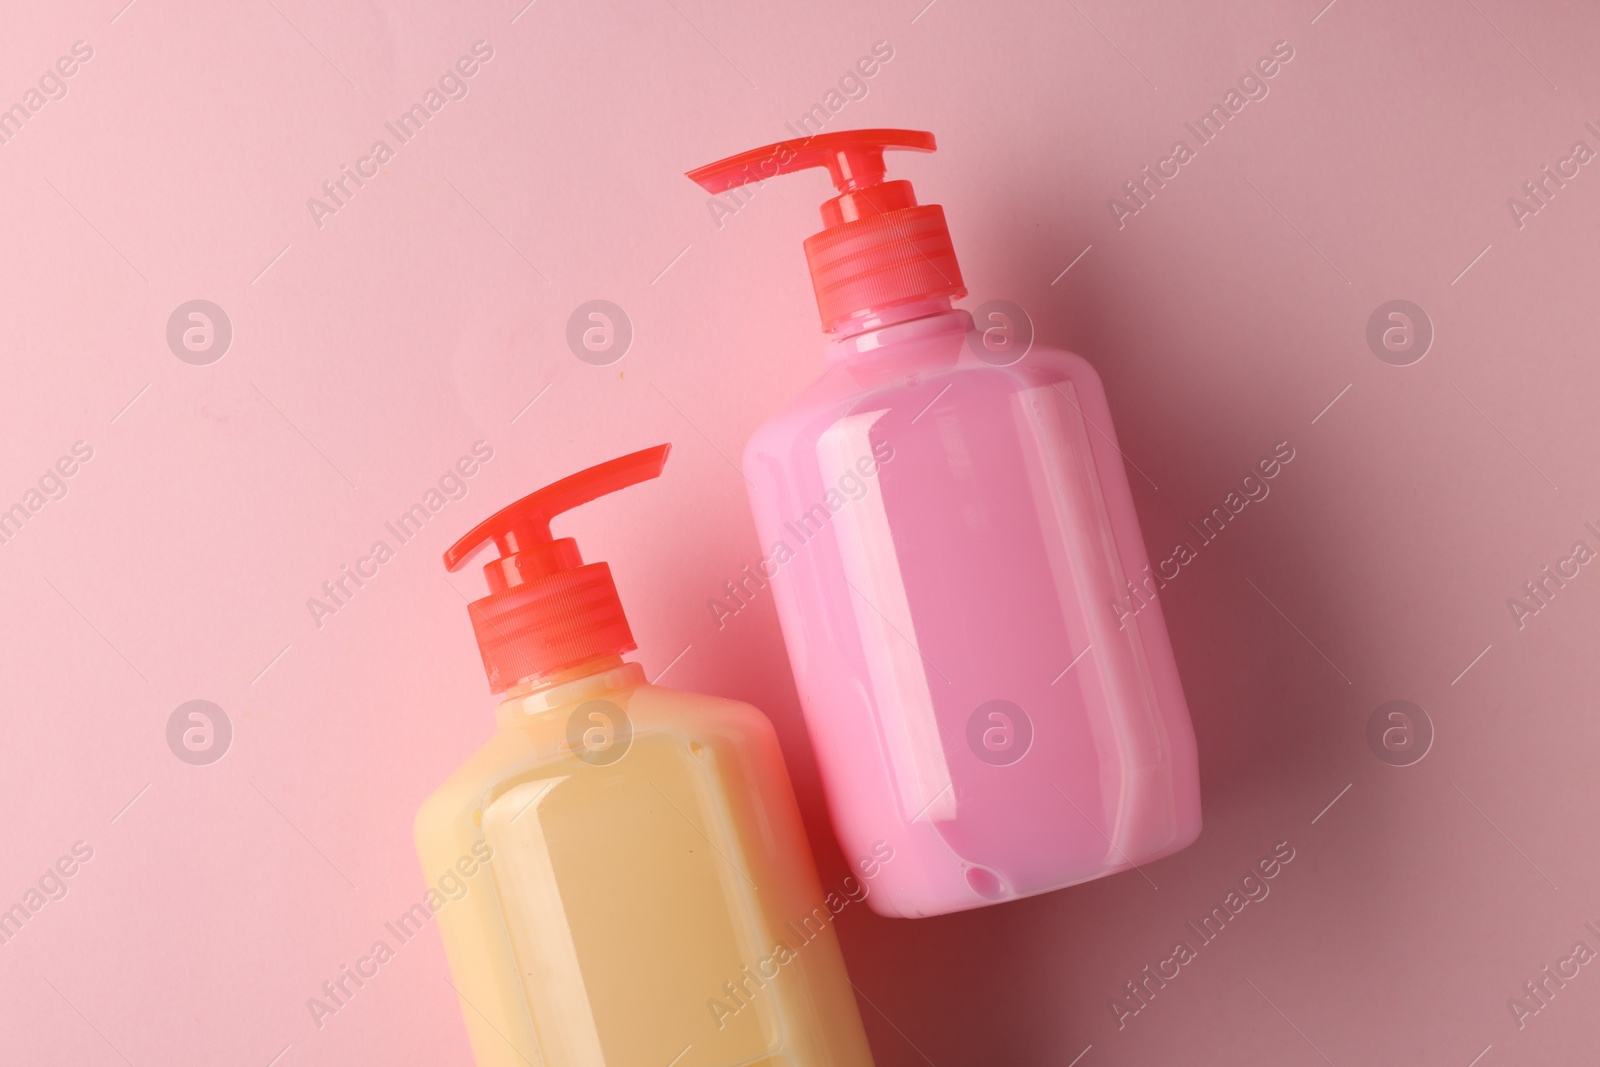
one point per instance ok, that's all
(642, 892)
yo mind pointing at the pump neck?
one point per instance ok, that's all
(866, 336)
(572, 685)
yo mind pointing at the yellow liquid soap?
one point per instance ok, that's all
(651, 896)
(642, 893)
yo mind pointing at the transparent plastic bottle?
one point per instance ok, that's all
(638, 886)
(957, 565)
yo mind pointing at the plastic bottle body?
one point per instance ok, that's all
(648, 891)
(983, 664)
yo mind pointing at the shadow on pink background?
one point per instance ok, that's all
(374, 344)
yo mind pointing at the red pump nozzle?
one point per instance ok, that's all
(880, 248)
(546, 608)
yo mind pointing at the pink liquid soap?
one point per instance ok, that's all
(952, 544)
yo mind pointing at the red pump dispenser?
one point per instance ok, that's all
(546, 608)
(879, 248)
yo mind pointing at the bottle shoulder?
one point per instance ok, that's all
(676, 711)
(506, 753)
(596, 731)
(847, 389)
(532, 739)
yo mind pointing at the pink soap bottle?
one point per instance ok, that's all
(956, 562)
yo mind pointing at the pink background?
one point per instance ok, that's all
(427, 313)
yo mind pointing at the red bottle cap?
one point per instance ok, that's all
(880, 247)
(547, 609)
